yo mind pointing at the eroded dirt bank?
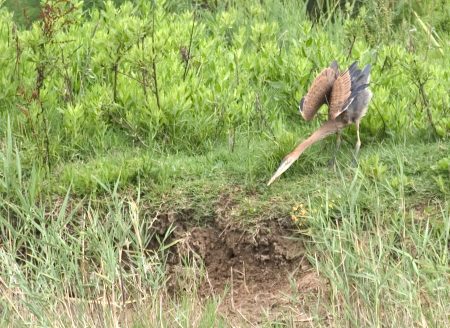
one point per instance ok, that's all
(260, 275)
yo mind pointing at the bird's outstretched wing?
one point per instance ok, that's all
(319, 91)
(346, 87)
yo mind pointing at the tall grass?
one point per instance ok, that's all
(386, 266)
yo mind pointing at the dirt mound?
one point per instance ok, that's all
(260, 275)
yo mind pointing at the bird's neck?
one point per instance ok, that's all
(325, 130)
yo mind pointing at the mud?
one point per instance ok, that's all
(260, 276)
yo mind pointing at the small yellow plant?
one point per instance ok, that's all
(298, 212)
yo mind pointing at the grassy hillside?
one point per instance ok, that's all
(137, 141)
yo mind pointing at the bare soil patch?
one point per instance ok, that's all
(260, 276)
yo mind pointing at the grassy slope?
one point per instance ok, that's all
(378, 232)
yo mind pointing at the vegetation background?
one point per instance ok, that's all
(114, 113)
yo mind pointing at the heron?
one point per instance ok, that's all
(347, 95)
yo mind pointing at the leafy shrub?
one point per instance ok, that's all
(186, 79)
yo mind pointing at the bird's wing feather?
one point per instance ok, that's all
(318, 92)
(353, 94)
(347, 86)
(340, 94)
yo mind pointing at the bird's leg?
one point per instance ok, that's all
(332, 161)
(357, 146)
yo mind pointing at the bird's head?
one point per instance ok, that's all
(285, 164)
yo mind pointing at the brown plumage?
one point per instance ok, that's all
(340, 94)
(348, 96)
(319, 91)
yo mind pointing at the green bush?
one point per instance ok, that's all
(189, 78)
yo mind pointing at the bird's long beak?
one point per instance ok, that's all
(285, 164)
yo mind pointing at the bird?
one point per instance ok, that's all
(347, 95)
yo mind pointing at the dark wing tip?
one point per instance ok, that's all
(367, 69)
(360, 77)
(353, 67)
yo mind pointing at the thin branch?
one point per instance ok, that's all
(115, 71)
(351, 47)
(191, 36)
(424, 97)
(382, 118)
(68, 92)
(154, 75)
(426, 104)
(144, 71)
(130, 77)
